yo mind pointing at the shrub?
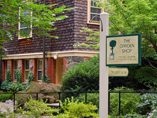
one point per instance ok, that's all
(8, 76)
(18, 76)
(30, 77)
(129, 102)
(47, 80)
(4, 97)
(37, 108)
(148, 103)
(82, 77)
(12, 87)
(92, 98)
(75, 109)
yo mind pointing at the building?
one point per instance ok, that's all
(60, 53)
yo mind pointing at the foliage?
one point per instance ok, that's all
(18, 76)
(30, 77)
(4, 97)
(8, 79)
(82, 77)
(42, 17)
(92, 98)
(94, 36)
(148, 103)
(135, 116)
(145, 75)
(2, 115)
(129, 102)
(37, 108)
(12, 87)
(78, 110)
(47, 80)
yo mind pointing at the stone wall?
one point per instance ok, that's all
(73, 60)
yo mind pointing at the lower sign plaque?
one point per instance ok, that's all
(118, 72)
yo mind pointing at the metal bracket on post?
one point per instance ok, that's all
(100, 21)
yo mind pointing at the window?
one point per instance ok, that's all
(39, 69)
(25, 28)
(15, 68)
(26, 69)
(93, 10)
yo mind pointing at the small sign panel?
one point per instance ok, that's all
(123, 50)
(118, 72)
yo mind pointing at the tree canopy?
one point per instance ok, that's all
(42, 16)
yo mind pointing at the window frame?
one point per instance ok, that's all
(19, 28)
(39, 70)
(89, 21)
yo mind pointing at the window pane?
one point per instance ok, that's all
(23, 26)
(27, 72)
(25, 32)
(91, 2)
(27, 65)
(15, 64)
(25, 13)
(39, 75)
(95, 10)
(95, 18)
(40, 64)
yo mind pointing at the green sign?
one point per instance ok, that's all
(123, 50)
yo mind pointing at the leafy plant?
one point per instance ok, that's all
(129, 102)
(37, 108)
(75, 109)
(8, 79)
(18, 76)
(82, 77)
(30, 77)
(148, 103)
(4, 97)
(47, 80)
(92, 98)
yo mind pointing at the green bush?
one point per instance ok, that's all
(75, 109)
(148, 103)
(30, 77)
(47, 80)
(82, 77)
(8, 79)
(4, 97)
(37, 108)
(92, 98)
(129, 102)
(12, 87)
(18, 76)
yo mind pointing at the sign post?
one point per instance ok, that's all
(103, 76)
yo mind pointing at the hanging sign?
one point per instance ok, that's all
(123, 50)
(118, 72)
